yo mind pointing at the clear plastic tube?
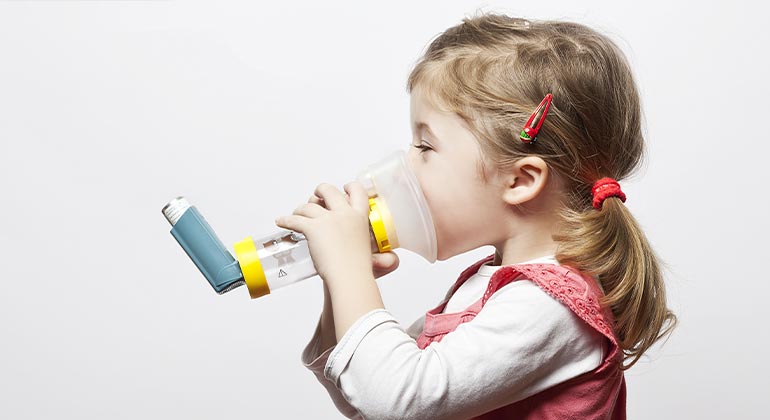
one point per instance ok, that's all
(284, 257)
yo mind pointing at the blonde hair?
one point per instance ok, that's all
(493, 70)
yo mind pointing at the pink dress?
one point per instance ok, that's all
(598, 394)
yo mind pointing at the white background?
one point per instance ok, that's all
(110, 109)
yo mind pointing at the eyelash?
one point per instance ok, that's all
(422, 148)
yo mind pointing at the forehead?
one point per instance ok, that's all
(425, 114)
(421, 107)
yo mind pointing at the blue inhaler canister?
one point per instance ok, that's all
(203, 246)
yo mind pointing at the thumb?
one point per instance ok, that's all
(386, 260)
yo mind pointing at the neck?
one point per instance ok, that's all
(529, 232)
(524, 247)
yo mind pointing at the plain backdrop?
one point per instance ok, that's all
(109, 109)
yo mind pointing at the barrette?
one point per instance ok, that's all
(529, 133)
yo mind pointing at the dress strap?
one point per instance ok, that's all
(462, 278)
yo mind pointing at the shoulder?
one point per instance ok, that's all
(524, 310)
(524, 299)
(523, 325)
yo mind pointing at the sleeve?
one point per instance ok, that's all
(521, 343)
(315, 360)
(415, 329)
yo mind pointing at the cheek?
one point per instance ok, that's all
(462, 213)
(451, 201)
(424, 177)
(431, 190)
(444, 201)
(427, 185)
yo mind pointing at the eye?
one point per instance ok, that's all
(422, 148)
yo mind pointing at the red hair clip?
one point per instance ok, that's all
(529, 133)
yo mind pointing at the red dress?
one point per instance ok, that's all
(598, 394)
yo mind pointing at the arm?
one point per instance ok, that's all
(382, 264)
(316, 352)
(328, 338)
(351, 299)
(523, 342)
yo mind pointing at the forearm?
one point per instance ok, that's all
(352, 298)
(328, 333)
(328, 329)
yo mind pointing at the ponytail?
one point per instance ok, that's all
(609, 245)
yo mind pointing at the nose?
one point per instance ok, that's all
(413, 161)
(412, 155)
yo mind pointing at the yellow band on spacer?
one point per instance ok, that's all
(376, 218)
(387, 221)
(251, 267)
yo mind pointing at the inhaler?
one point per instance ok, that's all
(399, 217)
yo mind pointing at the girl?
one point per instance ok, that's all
(521, 131)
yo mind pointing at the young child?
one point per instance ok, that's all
(521, 131)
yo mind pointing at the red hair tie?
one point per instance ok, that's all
(605, 188)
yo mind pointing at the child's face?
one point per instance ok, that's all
(467, 212)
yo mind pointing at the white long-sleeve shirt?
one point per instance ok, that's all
(522, 342)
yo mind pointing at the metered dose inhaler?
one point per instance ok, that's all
(399, 217)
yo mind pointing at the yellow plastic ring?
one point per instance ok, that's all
(378, 218)
(251, 267)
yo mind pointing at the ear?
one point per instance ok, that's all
(526, 180)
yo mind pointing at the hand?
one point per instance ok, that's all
(382, 262)
(338, 235)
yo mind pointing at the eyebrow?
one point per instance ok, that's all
(424, 125)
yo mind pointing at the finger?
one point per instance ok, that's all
(359, 199)
(293, 222)
(310, 210)
(331, 196)
(315, 200)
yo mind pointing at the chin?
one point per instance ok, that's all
(440, 255)
(443, 254)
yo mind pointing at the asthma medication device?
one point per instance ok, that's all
(399, 217)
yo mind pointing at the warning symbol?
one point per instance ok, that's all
(281, 273)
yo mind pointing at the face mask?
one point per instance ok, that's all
(399, 217)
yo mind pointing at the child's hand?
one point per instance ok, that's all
(382, 263)
(337, 234)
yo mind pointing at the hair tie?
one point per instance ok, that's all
(605, 188)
